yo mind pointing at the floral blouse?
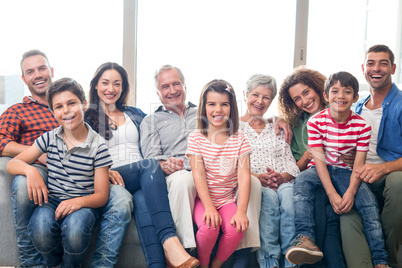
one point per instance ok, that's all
(269, 150)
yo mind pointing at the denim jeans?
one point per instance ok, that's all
(152, 212)
(277, 229)
(365, 203)
(116, 215)
(63, 240)
(327, 233)
(149, 240)
(22, 212)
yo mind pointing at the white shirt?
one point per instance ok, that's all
(373, 118)
(123, 146)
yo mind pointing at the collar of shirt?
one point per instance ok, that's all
(163, 109)
(90, 137)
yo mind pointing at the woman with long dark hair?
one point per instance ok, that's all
(118, 124)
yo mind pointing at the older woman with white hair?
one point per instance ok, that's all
(273, 164)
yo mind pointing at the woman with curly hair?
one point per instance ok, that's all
(300, 97)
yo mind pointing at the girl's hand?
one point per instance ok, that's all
(115, 178)
(37, 190)
(336, 201)
(212, 217)
(348, 201)
(67, 207)
(240, 221)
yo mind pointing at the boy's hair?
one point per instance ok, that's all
(64, 84)
(31, 53)
(261, 80)
(380, 48)
(222, 87)
(345, 79)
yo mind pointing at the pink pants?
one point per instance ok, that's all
(206, 238)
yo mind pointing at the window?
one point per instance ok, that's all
(341, 31)
(77, 36)
(209, 39)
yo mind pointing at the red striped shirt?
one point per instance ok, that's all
(337, 139)
(25, 122)
(220, 163)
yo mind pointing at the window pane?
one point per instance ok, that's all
(209, 39)
(340, 32)
(77, 36)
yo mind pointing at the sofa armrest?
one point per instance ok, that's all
(8, 242)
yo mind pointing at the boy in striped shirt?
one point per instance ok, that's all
(78, 179)
(334, 132)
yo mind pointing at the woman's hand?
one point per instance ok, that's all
(279, 124)
(116, 178)
(212, 217)
(271, 179)
(240, 221)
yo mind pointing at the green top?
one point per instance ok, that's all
(300, 137)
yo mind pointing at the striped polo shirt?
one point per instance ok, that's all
(220, 163)
(337, 139)
(71, 172)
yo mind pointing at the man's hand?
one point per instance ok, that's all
(172, 165)
(279, 124)
(371, 172)
(37, 190)
(115, 178)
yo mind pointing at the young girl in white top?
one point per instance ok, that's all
(220, 162)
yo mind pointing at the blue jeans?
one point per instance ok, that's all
(327, 233)
(365, 204)
(22, 212)
(149, 240)
(277, 229)
(64, 240)
(152, 212)
(116, 215)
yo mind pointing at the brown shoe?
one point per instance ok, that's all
(381, 266)
(304, 251)
(190, 263)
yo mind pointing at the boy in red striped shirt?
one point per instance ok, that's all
(334, 132)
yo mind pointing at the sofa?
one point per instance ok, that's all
(130, 254)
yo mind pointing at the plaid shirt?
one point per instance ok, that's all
(25, 122)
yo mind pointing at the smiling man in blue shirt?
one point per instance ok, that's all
(382, 109)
